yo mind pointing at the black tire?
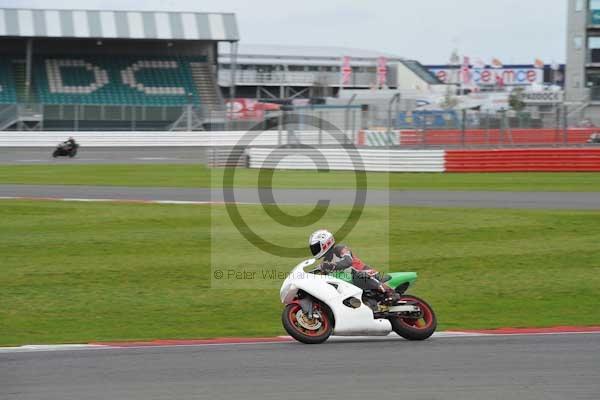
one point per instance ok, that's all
(55, 154)
(73, 153)
(296, 331)
(410, 332)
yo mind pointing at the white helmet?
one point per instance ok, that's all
(320, 242)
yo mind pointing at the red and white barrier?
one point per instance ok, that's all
(385, 160)
(371, 158)
(523, 160)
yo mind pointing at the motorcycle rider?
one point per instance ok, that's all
(70, 143)
(339, 257)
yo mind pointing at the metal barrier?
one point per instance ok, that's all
(348, 160)
(227, 157)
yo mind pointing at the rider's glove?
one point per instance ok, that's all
(327, 267)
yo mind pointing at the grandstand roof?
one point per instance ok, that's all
(291, 51)
(102, 24)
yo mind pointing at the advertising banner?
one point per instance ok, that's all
(543, 97)
(492, 76)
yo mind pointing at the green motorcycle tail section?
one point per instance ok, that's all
(398, 278)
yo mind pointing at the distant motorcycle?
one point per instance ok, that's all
(66, 149)
(594, 138)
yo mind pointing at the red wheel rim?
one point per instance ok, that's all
(419, 323)
(292, 316)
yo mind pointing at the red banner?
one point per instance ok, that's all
(466, 71)
(346, 71)
(249, 109)
(382, 72)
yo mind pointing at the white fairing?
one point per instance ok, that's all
(348, 321)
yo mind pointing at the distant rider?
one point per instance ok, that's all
(70, 143)
(339, 257)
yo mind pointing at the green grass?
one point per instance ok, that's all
(190, 176)
(74, 272)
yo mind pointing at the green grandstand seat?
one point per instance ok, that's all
(132, 81)
(8, 91)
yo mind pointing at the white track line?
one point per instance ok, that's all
(339, 339)
(122, 201)
(79, 200)
(58, 347)
(77, 347)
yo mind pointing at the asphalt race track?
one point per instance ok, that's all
(108, 155)
(545, 367)
(523, 200)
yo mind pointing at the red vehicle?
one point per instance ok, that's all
(249, 109)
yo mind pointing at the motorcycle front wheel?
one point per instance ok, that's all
(305, 330)
(416, 328)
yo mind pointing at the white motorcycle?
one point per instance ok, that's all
(319, 305)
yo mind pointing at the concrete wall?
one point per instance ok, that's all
(577, 15)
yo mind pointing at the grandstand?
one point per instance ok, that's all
(109, 69)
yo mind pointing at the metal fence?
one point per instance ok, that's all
(323, 120)
(553, 126)
(88, 117)
(393, 125)
(553, 118)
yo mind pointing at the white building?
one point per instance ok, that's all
(284, 72)
(583, 58)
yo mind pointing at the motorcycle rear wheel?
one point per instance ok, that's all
(412, 328)
(298, 326)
